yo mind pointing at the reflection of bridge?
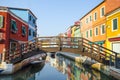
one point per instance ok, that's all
(76, 45)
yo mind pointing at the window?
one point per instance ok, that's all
(114, 24)
(29, 32)
(34, 21)
(29, 18)
(95, 16)
(34, 34)
(102, 11)
(23, 31)
(13, 26)
(90, 18)
(86, 34)
(86, 20)
(13, 47)
(1, 21)
(96, 31)
(102, 29)
(90, 33)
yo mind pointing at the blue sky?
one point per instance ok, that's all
(54, 16)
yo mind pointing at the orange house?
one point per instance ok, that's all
(93, 24)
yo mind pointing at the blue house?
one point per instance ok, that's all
(29, 17)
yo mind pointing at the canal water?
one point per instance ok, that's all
(58, 68)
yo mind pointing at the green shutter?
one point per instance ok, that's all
(1, 21)
(13, 26)
(23, 31)
(114, 24)
(103, 12)
(90, 33)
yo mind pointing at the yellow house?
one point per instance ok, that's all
(113, 30)
(73, 30)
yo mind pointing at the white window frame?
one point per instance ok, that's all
(90, 33)
(90, 18)
(87, 35)
(87, 21)
(94, 16)
(117, 24)
(101, 11)
(101, 26)
(95, 31)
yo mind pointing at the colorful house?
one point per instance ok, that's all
(113, 25)
(29, 17)
(93, 24)
(77, 32)
(73, 30)
(13, 30)
(68, 32)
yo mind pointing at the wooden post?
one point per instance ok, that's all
(116, 60)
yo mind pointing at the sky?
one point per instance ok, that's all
(54, 16)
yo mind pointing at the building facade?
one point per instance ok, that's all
(30, 18)
(93, 24)
(13, 30)
(77, 32)
(113, 24)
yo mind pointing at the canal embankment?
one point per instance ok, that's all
(105, 69)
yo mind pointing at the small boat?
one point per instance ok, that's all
(38, 61)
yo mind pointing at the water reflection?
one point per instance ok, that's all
(76, 71)
(28, 73)
(58, 68)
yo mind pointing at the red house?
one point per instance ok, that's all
(13, 30)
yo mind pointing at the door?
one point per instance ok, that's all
(116, 47)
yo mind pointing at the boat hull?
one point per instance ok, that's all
(10, 68)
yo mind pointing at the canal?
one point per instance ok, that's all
(58, 68)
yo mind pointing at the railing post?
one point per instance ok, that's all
(99, 49)
(116, 60)
(60, 45)
(91, 52)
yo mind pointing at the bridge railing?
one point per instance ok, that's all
(15, 54)
(86, 47)
(91, 49)
(99, 53)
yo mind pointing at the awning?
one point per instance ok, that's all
(114, 39)
(100, 42)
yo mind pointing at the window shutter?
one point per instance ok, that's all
(1, 21)
(23, 31)
(114, 24)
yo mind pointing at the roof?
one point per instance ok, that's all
(24, 10)
(7, 8)
(93, 9)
